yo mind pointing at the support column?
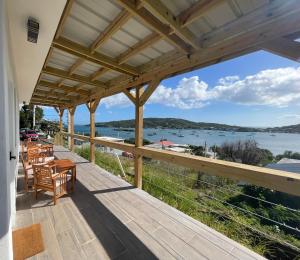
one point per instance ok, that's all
(71, 127)
(92, 106)
(138, 159)
(61, 113)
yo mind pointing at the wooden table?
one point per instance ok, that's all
(66, 164)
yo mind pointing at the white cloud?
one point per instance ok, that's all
(116, 100)
(276, 87)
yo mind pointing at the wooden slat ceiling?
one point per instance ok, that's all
(105, 47)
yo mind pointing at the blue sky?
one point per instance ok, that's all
(264, 92)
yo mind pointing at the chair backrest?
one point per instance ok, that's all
(43, 174)
(31, 144)
(34, 155)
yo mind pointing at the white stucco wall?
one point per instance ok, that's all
(8, 142)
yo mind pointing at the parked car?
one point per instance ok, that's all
(24, 135)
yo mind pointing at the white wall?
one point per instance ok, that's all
(20, 65)
(8, 142)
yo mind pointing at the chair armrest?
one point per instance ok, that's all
(59, 174)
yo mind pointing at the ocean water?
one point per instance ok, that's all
(277, 143)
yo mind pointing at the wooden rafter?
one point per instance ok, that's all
(154, 23)
(159, 10)
(98, 73)
(114, 26)
(138, 47)
(284, 47)
(196, 11)
(97, 58)
(64, 74)
(64, 17)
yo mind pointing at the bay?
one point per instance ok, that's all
(277, 143)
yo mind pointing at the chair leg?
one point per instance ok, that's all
(54, 196)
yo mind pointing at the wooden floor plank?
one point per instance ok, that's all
(106, 218)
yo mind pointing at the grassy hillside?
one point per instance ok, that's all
(177, 123)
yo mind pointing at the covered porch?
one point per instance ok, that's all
(108, 218)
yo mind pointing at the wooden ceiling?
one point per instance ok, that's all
(104, 47)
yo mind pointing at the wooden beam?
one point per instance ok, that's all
(114, 26)
(159, 10)
(154, 23)
(98, 73)
(263, 177)
(71, 127)
(138, 47)
(60, 112)
(196, 11)
(138, 159)
(43, 103)
(150, 89)
(82, 52)
(284, 47)
(64, 74)
(130, 96)
(64, 17)
(92, 106)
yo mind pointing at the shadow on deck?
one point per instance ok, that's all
(107, 218)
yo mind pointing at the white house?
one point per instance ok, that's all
(20, 65)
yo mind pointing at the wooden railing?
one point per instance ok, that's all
(273, 179)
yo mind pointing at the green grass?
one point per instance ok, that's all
(177, 186)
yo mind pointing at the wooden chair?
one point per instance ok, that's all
(46, 178)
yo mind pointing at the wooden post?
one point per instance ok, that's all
(61, 113)
(71, 127)
(138, 159)
(92, 106)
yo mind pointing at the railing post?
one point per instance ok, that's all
(138, 159)
(71, 127)
(92, 106)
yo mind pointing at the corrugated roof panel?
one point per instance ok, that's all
(49, 78)
(61, 60)
(109, 75)
(87, 68)
(150, 53)
(71, 83)
(90, 18)
(200, 26)
(59, 91)
(163, 46)
(220, 15)
(112, 48)
(136, 29)
(247, 6)
(125, 38)
(43, 88)
(137, 60)
(104, 8)
(86, 36)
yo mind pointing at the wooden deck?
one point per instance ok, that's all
(107, 218)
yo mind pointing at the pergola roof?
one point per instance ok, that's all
(104, 47)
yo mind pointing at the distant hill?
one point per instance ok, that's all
(177, 123)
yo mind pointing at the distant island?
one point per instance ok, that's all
(177, 123)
